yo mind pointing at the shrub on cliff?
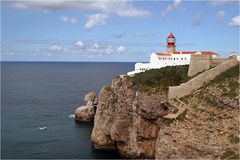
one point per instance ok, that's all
(161, 78)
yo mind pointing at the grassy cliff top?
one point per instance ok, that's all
(161, 78)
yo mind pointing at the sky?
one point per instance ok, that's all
(115, 31)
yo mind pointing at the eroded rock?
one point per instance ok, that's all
(87, 112)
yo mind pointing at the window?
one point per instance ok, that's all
(173, 58)
(181, 58)
(185, 58)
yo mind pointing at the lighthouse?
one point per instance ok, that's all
(169, 58)
(171, 43)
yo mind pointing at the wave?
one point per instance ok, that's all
(72, 116)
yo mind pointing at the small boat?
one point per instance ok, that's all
(42, 128)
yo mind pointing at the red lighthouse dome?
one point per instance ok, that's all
(171, 36)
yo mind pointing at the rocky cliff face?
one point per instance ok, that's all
(139, 122)
(128, 120)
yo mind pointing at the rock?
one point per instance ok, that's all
(87, 112)
(127, 121)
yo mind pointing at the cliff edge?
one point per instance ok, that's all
(135, 117)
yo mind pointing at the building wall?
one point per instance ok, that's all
(141, 66)
(171, 60)
(199, 63)
(187, 88)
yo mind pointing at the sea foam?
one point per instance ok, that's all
(72, 116)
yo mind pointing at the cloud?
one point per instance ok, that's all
(235, 22)
(73, 20)
(79, 44)
(221, 14)
(219, 2)
(55, 48)
(121, 49)
(38, 41)
(121, 8)
(171, 7)
(66, 19)
(119, 35)
(143, 34)
(95, 20)
(90, 49)
(197, 20)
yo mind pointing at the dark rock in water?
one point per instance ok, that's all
(87, 112)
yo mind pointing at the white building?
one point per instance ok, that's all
(171, 58)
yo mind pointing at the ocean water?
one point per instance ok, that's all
(38, 94)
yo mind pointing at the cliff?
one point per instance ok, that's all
(209, 129)
(135, 117)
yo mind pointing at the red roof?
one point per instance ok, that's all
(187, 52)
(171, 36)
(163, 54)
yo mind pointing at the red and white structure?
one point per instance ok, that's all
(170, 58)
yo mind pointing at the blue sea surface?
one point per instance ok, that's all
(37, 94)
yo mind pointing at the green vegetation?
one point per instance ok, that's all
(228, 79)
(160, 78)
(233, 139)
(182, 116)
(232, 72)
(229, 154)
(108, 88)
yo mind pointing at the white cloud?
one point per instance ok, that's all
(66, 19)
(55, 48)
(171, 7)
(119, 35)
(221, 14)
(80, 44)
(73, 20)
(143, 34)
(95, 20)
(235, 22)
(219, 2)
(19, 5)
(96, 45)
(121, 8)
(100, 49)
(109, 49)
(121, 49)
(197, 20)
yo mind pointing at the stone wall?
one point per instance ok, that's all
(217, 61)
(197, 82)
(199, 63)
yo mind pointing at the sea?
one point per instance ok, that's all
(38, 100)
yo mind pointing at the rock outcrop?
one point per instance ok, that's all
(87, 112)
(128, 120)
(140, 122)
